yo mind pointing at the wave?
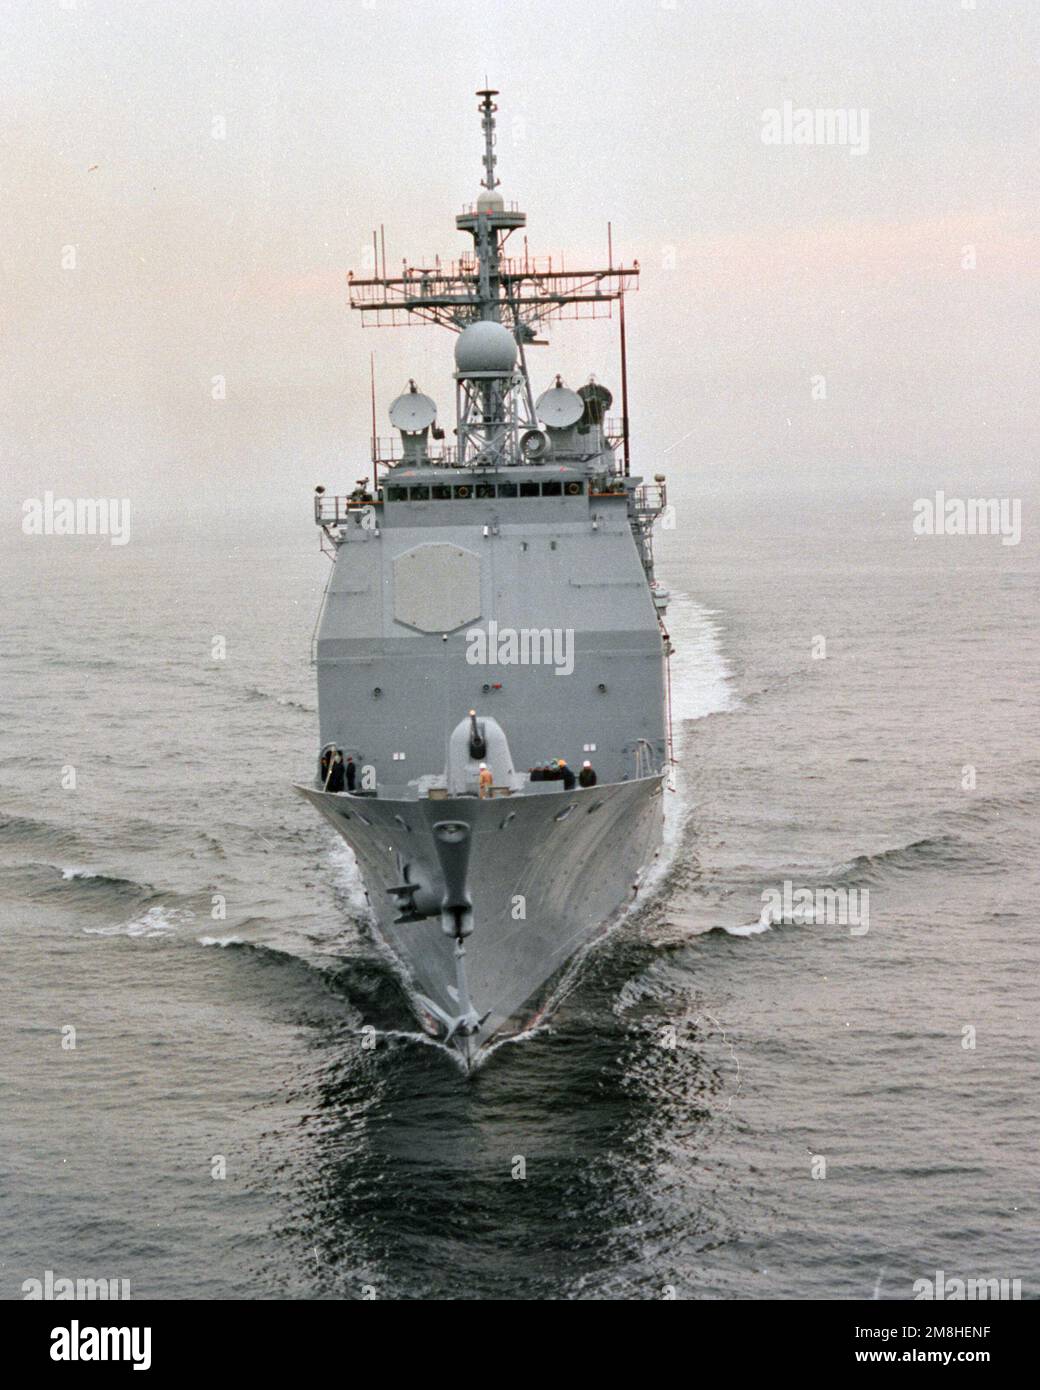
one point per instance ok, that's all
(24, 830)
(75, 850)
(79, 885)
(62, 661)
(945, 852)
(253, 692)
(159, 920)
(994, 810)
(939, 851)
(95, 880)
(236, 939)
(764, 923)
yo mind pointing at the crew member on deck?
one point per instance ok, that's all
(587, 775)
(568, 776)
(351, 771)
(336, 774)
(485, 781)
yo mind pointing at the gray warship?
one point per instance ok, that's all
(492, 613)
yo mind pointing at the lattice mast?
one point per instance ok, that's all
(495, 409)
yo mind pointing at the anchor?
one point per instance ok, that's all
(416, 896)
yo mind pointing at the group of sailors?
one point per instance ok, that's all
(557, 770)
(337, 775)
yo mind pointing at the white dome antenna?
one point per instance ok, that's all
(485, 348)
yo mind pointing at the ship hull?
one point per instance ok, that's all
(547, 874)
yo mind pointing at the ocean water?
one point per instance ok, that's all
(729, 1103)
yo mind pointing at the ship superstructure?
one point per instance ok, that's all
(491, 613)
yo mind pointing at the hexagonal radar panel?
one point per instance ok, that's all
(436, 587)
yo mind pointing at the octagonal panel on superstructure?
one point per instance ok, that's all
(436, 587)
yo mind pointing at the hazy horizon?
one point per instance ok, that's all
(218, 173)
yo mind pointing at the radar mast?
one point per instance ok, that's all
(494, 404)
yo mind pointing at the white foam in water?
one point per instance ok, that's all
(157, 921)
(347, 876)
(804, 917)
(221, 941)
(752, 928)
(700, 676)
(700, 686)
(79, 873)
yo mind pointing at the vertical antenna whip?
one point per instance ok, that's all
(375, 446)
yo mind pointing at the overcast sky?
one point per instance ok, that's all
(763, 265)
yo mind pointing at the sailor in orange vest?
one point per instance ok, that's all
(485, 781)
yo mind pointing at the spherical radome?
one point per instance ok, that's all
(485, 347)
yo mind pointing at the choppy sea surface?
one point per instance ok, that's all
(731, 1102)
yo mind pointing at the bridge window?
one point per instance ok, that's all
(465, 492)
